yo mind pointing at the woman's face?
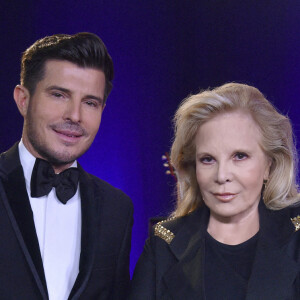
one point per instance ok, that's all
(230, 166)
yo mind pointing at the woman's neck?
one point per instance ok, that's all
(233, 232)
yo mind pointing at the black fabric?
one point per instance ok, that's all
(228, 267)
(105, 238)
(43, 179)
(18, 201)
(177, 270)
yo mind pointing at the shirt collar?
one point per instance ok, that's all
(27, 162)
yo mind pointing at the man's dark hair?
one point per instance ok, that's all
(83, 49)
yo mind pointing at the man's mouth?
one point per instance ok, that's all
(69, 133)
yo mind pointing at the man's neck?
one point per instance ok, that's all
(57, 168)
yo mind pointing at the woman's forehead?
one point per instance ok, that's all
(236, 129)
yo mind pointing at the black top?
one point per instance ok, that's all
(176, 270)
(228, 268)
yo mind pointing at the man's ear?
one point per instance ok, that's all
(22, 97)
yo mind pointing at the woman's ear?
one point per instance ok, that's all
(268, 167)
(22, 97)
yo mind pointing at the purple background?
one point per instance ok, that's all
(162, 51)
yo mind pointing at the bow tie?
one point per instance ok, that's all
(43, 179)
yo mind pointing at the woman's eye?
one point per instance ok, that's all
(206, 160)
(240, 156)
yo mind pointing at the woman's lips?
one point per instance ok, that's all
(225, 197)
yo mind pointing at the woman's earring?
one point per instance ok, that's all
(263, 188)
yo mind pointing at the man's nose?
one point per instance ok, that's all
(73, 111)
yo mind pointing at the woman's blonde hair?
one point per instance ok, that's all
(277, 143)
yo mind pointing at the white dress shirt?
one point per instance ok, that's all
(58, 228)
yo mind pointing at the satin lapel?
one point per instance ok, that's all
(20, 212)
(184, 280)
(90, 217)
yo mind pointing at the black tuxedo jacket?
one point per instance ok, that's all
(175, 270)
(105, 238)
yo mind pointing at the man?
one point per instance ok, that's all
(64, 233)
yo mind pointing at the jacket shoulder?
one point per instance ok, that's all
(9, 160)
(295, 216)
(111, 192)
(167, 229)
(161, 229)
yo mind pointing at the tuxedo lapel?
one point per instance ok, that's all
(90, 217)
(19, 206)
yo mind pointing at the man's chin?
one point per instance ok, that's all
(59, 158)
(56, 153)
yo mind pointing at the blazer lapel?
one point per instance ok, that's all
(273, 271)
(19, 209)
(184, 280)
(272, 274)
(90, 217)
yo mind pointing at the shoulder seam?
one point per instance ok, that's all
(296, 222)
(164, 233)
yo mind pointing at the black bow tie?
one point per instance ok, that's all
(43, 179)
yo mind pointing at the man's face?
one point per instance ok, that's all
(62, 117)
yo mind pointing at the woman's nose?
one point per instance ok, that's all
(224, 172)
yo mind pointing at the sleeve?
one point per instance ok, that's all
(122, 276)
(143, 285)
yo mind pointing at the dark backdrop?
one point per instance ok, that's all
(162, 51)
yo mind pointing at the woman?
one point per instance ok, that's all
(234, 233)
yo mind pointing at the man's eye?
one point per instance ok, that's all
(92, 103)
(240, 156)
(57, 95)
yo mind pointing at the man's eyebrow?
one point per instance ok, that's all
(64, 90)
(59, 88)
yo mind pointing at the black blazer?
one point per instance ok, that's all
(105, 238)
(174, 270)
